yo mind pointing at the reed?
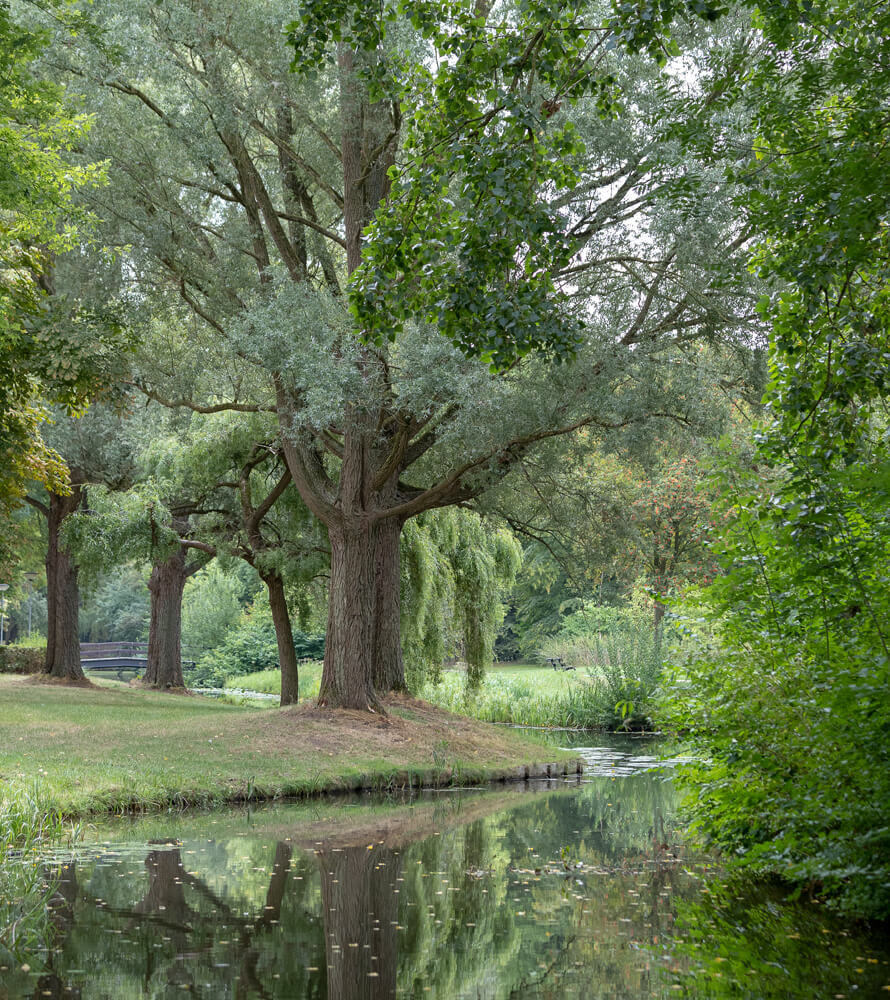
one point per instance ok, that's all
(29, 827)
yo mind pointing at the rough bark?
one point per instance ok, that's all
(166, 585)
(388, 666)
(284, 636)
(347, 677)
(63, 595)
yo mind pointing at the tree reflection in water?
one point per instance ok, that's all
(63, 880)
(564, 892)
(359, 898)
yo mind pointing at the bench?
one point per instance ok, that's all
(558, 663)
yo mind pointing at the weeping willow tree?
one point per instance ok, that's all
(455, 569)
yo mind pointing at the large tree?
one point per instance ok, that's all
(407, 238)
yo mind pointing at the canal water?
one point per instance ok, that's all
(579, 888)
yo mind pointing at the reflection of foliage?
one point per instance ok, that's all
(732, 944)
(489, 905)
(27, 827)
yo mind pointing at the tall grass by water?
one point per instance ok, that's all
(28, 828)
(269, 681)
(581, 699)
(609, 689)
(28, 823)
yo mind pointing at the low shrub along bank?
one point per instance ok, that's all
(21, 659)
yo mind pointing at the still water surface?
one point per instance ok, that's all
(553, 889)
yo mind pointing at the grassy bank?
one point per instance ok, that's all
(112, 748)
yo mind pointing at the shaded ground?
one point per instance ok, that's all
(112, 748)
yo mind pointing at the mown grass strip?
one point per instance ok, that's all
(114, 749)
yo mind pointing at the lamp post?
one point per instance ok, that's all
(3, 588)
(30, 577)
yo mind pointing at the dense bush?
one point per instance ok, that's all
(22, 659)
(619, 652)
(249, 648)
(783, 692)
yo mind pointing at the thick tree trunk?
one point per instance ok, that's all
(347, 677)
(284, 636)
(166, 584)
(63, 596)
(388, 666)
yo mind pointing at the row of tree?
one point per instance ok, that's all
(408, 252)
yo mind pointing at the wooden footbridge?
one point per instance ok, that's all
(118, 657)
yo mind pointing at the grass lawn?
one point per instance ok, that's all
(269, 681)
(542, 679)
(111, 748)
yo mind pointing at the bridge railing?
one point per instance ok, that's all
(120, 656)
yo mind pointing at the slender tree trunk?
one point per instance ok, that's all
(389, 668)
(284, 636)
(660, 609)
(278, 882)
(63, 596)
(166, 585)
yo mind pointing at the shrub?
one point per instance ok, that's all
(22, 659)
(622, 667)
(585, 701)
(249, 648)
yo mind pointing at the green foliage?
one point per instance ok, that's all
(481, 140)
(137, 523)
(22, 659)
(788, 703)
(787, 700)
(455, 571)
(248, 648)
(118, 608)
(592, 620)
(572, 700)
(27, 826)
(211, 605)
(48, 349)
(269, 681)
(620, 654)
